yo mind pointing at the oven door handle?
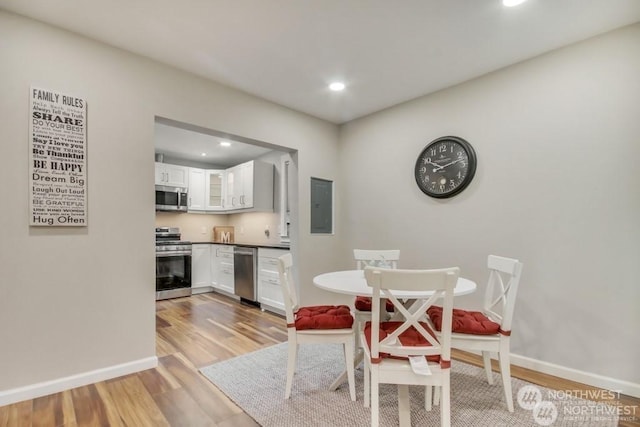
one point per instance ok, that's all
(172, 254)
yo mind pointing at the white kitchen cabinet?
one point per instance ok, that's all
(200, 268)
(197, 189)
(206, 188)
(222, 277)
(269, 290)
(172, 175)
(214, 190)
(250, 186)
(233, 187)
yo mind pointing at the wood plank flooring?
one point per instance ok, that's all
(191, 333)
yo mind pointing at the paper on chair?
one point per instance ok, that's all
(419, 365)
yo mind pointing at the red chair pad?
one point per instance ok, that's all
(465, 322)
(363, 303)
(410, 337)
(324, 317)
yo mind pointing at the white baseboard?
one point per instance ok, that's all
(32, 391)
(201, 290)
(595, 380)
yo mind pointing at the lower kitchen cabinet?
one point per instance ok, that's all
(200, 268)
(222, 268)
(269, 290)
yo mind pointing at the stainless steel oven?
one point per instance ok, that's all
(173, 264)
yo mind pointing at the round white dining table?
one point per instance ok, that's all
(352, 282)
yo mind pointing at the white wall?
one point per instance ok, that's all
(557, 186)
(76, 300)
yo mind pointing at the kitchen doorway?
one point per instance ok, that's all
(205, 166)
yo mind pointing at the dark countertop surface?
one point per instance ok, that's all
(247, 244)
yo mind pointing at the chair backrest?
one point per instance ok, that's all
(285, 269)
(387, 258)
(433, 284)
(502, 288)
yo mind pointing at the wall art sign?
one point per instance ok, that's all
(57, 159)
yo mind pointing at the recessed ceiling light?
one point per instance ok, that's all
(225, 144)
(203, 154)
(511, 3)
(336, 86)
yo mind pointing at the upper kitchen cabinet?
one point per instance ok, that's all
(214, 184)
(206, 189)
(197, 190)
(172, 175)
(250, 187)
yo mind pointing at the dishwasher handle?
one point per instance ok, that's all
(237, 250)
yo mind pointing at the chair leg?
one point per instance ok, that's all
(505, 371)
(375, 401)
(445, 403)
(367, 385)
(428, 397)
(436, 395)
(404, 406)
(291, 367)
(349, 361)
(486, 359)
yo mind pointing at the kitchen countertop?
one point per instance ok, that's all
(247, 244)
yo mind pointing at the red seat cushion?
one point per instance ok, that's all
(324, 317)
(410, 337)
(363, 303)
(465, 322)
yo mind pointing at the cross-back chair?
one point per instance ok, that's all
(387, 258)
(387, 345)
(324, 324)
(489, 330)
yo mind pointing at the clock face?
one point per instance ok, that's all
(445, 167)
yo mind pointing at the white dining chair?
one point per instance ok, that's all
(387, 258)
(489, 330)
(321, 324)
(387, 345)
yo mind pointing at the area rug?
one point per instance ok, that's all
(256, 382)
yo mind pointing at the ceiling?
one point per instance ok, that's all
(184, 144)
(287, 51)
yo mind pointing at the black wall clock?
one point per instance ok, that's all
(445, 167)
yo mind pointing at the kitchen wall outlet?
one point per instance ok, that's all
(203, 230)
(241, 230)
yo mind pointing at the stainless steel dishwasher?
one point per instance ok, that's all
(245, 272)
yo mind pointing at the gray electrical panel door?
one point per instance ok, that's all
(321, 206)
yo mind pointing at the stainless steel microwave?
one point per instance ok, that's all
(171, 198)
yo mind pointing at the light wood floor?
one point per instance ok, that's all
(191, 333)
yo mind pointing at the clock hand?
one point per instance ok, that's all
(438, 167)
(448, 164)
